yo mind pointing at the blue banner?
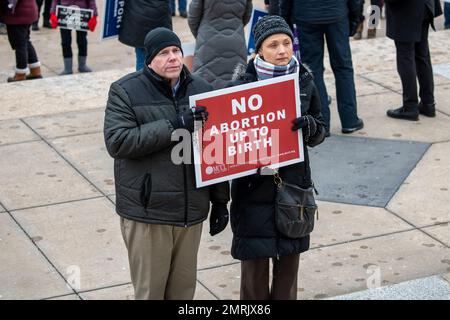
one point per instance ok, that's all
(256, 15)
(112, 18)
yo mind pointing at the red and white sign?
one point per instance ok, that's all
(249, 126)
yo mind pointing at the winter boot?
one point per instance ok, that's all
(404, 113)
(20, 75)
(35, 71)
(67, 67)
(428, 110)
(82, 67)
(371, 33)
(359, 31)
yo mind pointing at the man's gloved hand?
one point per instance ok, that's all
(307, 124)
(187, 118)
(218, 219)
(92, 23)
(53, 20)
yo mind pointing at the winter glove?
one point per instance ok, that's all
(307, 124)
(53, 20)
(92, 23)
(218, 219)
(187, 118)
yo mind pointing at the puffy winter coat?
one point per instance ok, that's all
(255, 235)
(218, 27)
(25, 12)
(142, 16)
(149, 187)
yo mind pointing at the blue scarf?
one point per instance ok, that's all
(266, 70)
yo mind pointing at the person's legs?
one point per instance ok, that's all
(255, 279)
(311, 39)
(140, 58)
(360, 29)
(82, 51)
(182, 8)
(149, 253)
(172, 7)
(17, 36)
(284, 281)
(66, 44)
(35, 25)
(447, 15)
(33, 61)
(183, 269)
(46, 14)
(341, 63)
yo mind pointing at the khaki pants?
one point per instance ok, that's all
(163, 259)
(255, 278)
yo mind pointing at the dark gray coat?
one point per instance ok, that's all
(149, 186)
(142, 16)
(218, 27)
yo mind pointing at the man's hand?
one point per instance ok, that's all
(187, 118)
(92, 23)
(53, 20)
(218, 218)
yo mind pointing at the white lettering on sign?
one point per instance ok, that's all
(254, 103)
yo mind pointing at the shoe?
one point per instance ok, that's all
(359, 125)
(329, 99)
(404, 113)
(359, 31)
(17, 77)
(67, 67)
(183, 14)
(82, 67)
(428, 110)
(371, 33)
(35, 26)
(47, 24)
(35, 71)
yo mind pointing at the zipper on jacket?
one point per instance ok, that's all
(175, 104)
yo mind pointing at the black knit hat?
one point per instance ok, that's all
(267, 26)
(158, 39)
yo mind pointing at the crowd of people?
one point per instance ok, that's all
(161, 210)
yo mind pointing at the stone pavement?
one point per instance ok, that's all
(384, 191)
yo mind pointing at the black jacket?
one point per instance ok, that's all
(317, 11)
(274, 6)
(149, 186)
(142, 16)
(252, 210)
(404, 18)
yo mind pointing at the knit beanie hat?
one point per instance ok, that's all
(158, 39)
(267, 26)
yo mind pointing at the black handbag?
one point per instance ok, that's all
(295, 209)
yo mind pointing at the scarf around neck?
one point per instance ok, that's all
(266, 70)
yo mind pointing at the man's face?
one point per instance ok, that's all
(168, 63)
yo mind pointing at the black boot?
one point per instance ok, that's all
(428, 110)
(405, 113)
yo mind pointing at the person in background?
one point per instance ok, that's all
(181, 8)
(161, 210)
(272, 6)
(334, 21)
(256, 239)
(18, 17)
(140, 17)
(66, 35)
(407, 24)
(220, 43)
(447, 14)
(372, 29)
(45, 15)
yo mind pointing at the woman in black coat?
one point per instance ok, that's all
(255, 236)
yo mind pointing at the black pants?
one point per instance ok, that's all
(47, 6)
(19, 38)
(66, 42)
(414, 62)
(255, 278)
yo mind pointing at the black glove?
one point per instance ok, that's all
(218, 219)
(186, 119)
(307, 124)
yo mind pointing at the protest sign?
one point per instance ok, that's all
(112, 18)
(256, 15)
(73, 17)
(249, 126)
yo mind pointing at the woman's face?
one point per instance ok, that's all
(277, 49)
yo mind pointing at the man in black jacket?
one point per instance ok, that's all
(408, 22)
(161, 210)
(335, 21)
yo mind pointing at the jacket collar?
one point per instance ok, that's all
(164, 86)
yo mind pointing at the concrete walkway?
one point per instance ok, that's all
(384, 191)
